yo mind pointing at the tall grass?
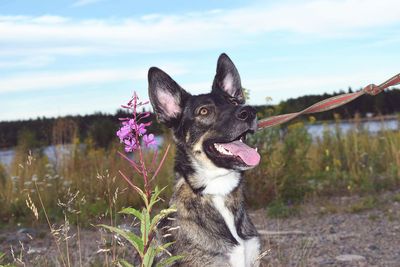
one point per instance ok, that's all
(78, 166)
(293, 167)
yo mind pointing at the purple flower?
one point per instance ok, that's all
(149, 140)
(130, 123)
(130, 145)
(124, 132)
(131, 130)
(141, 129)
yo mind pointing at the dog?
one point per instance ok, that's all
(211, 226)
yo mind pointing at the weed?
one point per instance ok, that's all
(2, 261)
(328, 208)
(366, 203)
(132, 132)
(278, 209)
(293, 167)
(396, 197)
(373, 217)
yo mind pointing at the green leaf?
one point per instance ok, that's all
(143, 196)
(124, 263)
(149, 256)
(163, 213)
(133, 212)
(145, 225)
(131, 237)
(155, 196)
(169, 261)
(137, 189)
(164, 247)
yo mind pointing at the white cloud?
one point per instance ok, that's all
(323, 17)
(194, 31)
(56, 80)
(35, 61)
(80, 3)
(282, 88)
(49, 19)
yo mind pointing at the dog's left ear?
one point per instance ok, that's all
(227, 79)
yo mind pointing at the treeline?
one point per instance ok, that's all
(385, 103)
(101, 128)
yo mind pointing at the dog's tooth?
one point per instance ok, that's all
(227, 152)
(256, 149)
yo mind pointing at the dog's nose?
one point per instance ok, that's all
(246, 113)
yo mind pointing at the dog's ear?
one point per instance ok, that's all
(166, 96)
(227, 79)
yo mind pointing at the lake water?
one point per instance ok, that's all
(316, 130)
(7, 155)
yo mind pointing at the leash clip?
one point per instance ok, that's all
(372, 89)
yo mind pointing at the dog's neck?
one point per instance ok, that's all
(216, 181)
(204, 177)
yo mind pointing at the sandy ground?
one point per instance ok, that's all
(327, 232)
(336, 232)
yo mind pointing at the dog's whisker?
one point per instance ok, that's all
(173, 228)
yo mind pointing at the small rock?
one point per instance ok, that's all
(28, 231)
(328, 262)
(293, 232)
(350, 257)
(11, 239)
(322, 261)
(373, 247)
(36, 250)
(349, 235)
(332, 237)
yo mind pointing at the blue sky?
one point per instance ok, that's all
(81, 56)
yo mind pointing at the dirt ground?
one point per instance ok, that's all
(340, 231)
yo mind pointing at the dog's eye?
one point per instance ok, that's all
(234, 102)
(203, 111)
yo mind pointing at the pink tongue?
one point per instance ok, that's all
(246, 153)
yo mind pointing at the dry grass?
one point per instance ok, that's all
(293, 167)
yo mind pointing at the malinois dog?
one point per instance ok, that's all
(211, 226)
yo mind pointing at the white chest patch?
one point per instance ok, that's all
(246, 253)
(221, 185)
(217, 181)
(237, 255)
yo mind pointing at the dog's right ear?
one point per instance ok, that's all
(166, 96)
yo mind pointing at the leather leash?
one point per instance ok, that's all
(329, 103)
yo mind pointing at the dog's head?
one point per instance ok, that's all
(212, 127)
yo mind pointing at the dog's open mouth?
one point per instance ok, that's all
(238, 149)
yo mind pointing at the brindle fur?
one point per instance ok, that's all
(199, 230)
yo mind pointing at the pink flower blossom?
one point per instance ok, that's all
(149, 140)
(141, 129)
(132, 128)
(130, 145)
(124, 132)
